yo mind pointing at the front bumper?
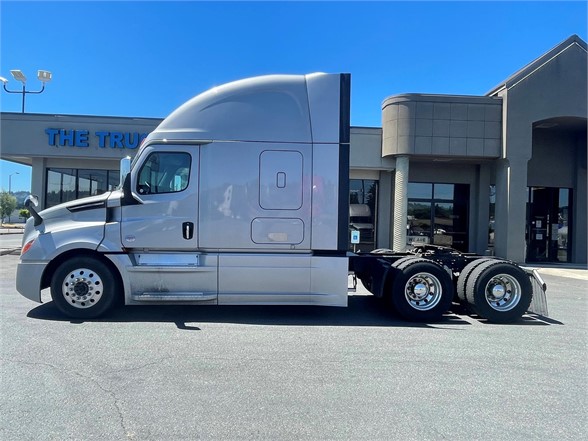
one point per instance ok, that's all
(28, 279)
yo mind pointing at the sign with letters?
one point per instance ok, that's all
(105, 139)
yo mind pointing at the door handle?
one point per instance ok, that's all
(188, 230)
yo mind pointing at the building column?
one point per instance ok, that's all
(38, 181)
(579, 208)
(480, 210)
(511, 209)
(400, 203)
(384, 210)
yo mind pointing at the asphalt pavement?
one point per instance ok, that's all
(282, 373)
(11, 238)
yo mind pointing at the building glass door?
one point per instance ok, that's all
(548, 224)
(438, 214)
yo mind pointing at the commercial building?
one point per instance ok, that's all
(503, 173)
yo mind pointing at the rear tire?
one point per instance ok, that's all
(84, 287)
(422, 290)
(499, 291)
(464, 276)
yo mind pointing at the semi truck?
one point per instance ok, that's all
(241, 197)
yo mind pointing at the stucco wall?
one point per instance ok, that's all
(554, 86)
(441, 125)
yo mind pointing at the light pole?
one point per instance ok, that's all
(10, 187)
(44, 76)
(10, 181)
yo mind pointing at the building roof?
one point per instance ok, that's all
(530, 68)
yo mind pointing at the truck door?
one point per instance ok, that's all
(162, 213)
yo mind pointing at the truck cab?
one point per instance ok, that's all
(238, 197)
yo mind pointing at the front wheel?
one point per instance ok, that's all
(422, 290)
(84, 287)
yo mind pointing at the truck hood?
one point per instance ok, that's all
(66, 209)
(74, 224)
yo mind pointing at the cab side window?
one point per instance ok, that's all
(164, 172)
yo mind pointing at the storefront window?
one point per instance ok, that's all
(444, 191)
(438, 214)
(418, 190)
(363, 197)
(92, 182)
(563, 226)
(67, 184)
(492, 214)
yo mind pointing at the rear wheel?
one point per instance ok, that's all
(464, 276)
(84, 287)
(499, 291)
(421, 291)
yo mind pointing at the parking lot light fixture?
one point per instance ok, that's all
(44, 76)
(19, 76)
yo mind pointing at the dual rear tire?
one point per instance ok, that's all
(494, 289)
(421, 290)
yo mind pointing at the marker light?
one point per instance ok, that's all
(27, 247)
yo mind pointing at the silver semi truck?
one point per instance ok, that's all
(241, 197)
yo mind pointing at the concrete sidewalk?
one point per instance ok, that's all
(12, 228)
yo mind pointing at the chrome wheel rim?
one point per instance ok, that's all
(82, 288)
(423, 291)
(503, 292)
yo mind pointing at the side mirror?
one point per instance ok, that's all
(125, 169)
(31, 202)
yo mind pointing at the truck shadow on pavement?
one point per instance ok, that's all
(362, 311)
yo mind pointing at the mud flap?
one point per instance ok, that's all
(539, 303)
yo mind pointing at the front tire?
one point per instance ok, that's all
(422, 290)
(84, 287)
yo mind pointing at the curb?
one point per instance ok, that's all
(15, 251)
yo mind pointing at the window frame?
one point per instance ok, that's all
(141, 190)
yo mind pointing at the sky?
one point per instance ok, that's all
(144, 59)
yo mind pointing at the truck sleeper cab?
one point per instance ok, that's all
(236, 198)
(241, 196)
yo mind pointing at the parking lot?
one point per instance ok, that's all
(234, 373)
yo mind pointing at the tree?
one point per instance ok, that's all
(7, 205)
